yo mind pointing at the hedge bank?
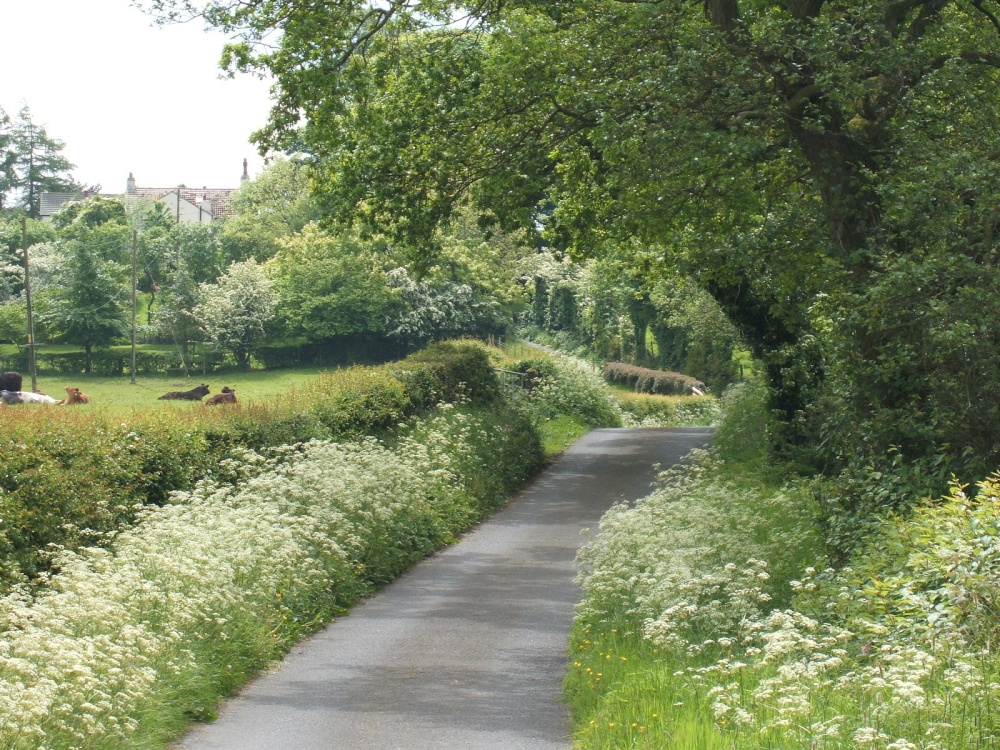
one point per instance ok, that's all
(70, 478)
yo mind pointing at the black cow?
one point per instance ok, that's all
(195, 394)
(10, 381)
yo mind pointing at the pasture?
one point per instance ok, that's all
(119, 395)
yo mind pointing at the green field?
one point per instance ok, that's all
(120, 394)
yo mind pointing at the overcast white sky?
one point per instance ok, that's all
(124, 96)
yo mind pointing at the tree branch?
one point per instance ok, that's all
(980, 6)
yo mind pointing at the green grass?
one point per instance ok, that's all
(119, 394)
(561, 432)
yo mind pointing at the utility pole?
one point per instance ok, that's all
(27, 298)
(134, 283)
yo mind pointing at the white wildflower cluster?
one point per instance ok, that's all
(217, 575)
(670, 552)
(896, 653)
(710, 609)
(577, 388)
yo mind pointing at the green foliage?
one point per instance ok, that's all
(12, 254)
(340, 350)
(273, 205)
(827, 176)
(485, 258)
(906, 389)
(331, 285)
(76, 218)
(567, 386)
(450, 371)
(540, 302)
(91, 309)
(13, 321)
(115, 360)
(642, 410)
(745, 419)
(563, 313)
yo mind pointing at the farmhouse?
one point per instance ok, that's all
(187, 205)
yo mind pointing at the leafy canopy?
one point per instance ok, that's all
(797, 158)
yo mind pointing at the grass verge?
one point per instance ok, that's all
(709, 621)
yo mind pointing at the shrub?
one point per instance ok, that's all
(459, 370)
(647, 410)
(566, 385)
(743, 424)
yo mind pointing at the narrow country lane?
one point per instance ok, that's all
(467, 651)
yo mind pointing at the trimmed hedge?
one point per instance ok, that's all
(643, 380)
(111, 362)
(70, 478)
(117, 360)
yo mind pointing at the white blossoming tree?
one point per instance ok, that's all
(235, 312)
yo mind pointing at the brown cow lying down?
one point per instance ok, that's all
(74, 396)
(25, 397)
(195, 394)
(228, 396)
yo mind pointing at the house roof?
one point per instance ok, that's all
(49, 203)
(215, 201)
(218, 201)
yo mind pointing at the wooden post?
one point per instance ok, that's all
(27, 298)
(134, 284)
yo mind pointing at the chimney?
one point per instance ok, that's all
(245, 176)
(130, 185)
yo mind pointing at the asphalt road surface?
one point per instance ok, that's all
(466, 651)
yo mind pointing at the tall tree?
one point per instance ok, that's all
(331, 286)
(90, 310)
(32, 164)
(275, 204)
(176, 318)
(88, 306)
(8, 157)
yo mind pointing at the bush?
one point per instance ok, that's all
(647, 410)
(744, 423)
(569, 386)
(458, 369)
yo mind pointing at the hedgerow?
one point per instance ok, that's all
(644, 380)
(130, 643)
(70, 479)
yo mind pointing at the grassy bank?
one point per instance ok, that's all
(130, 643)
(709, 619)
